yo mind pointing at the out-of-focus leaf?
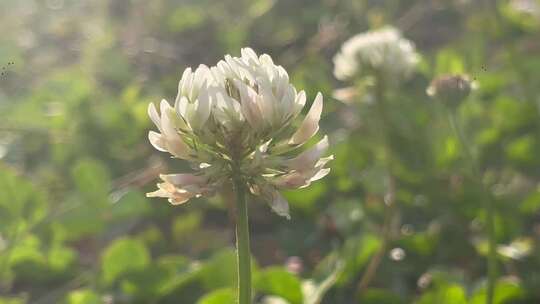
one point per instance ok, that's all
(511, 115)
(130, 205)
(421, 243)
(444, 294)
(92, 180)
(185, 18)
(122, 257)
(20, 202)
(13, 300)
(274, 300)
(184, 225)
(448, 61)
(219, 271)
(506, 291)
(305, 199)
(347, 215)
(314, 292)
(523, 150)
(60, 258)
(145, 284)
(260, 7)
(379, 296)
(278, 281)
(81, 220)
(449, 151)
(28, 260)
(180, 272)
(357, 252)
(531, 204)
(83, 296)
(220, 296)
(521, 13)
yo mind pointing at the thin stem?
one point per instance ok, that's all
(371, 269)
(490, 210)
(463, 142)
(242, 241)
(4, 264)
(390, 196)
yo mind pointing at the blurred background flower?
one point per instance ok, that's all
(382, 51)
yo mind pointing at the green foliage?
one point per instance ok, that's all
(219, 271)
(220, 296)
(122, 257)
(378, 296)
(279, 282)
(357, 252)
(4, 300)
(21, 204)
(505, 292)
(83, 296)
(75, 162)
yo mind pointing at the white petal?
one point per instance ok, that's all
(234, 65)
(250, 109)
(167, 125)
(279, 204)
(164, 190)
(158, 193)
(203, 109)
(292, 180)
(176, 196)
(322, 173)
(266, 59)
(321, 162)
(287, 106)
(154, 116)
(310, 125)
(178, 147)
(301, 179)
(249, 54)
(308, 159)
(180, 199)
(174, 143)
(181, 106)
(186, 82)
(267, 102)
(164, 106)
(157, 141)
(299, 103)
(202, 74)
(182, 179)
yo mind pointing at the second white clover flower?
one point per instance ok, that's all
(382, 51)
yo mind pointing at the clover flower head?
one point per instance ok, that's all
(382, 51)
(239, 117)
(530, 7)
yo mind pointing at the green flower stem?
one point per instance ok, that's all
(490, 210)
(242, 241)
(12, 241)
(390, 197)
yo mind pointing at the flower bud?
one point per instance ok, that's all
(450, 89)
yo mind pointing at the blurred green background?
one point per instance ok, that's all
(75, 162)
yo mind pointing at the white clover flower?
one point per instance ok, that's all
(530, 7)
(238, 117)
(381, 51)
